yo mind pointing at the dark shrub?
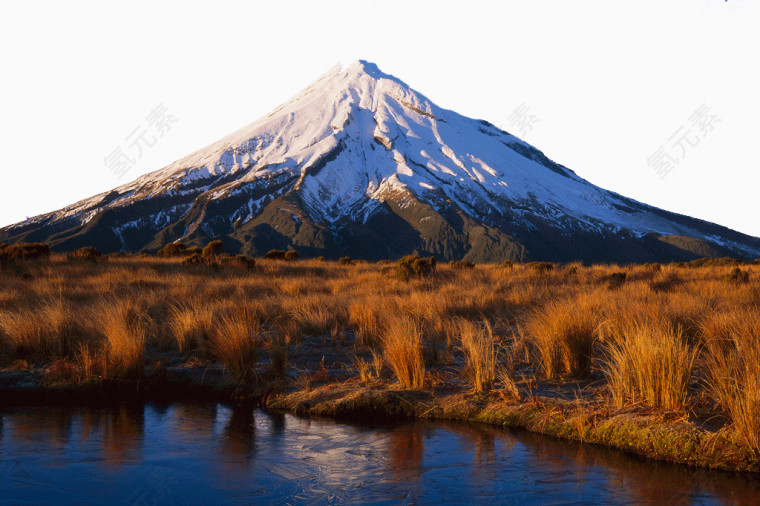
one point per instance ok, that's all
(275, 254)
(414, 266)
(193, 260)
(461, 264)
(213, 249)
(652, 267)
(736, 276)
(173, 249)
(344, 261)
(665, 285)
(614, 279)
(242, 261)
(507, 264)
(320, 259)
(540, 266)
(290, 256)
(25, 251)
(86, 254)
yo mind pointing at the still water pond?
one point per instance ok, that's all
(213, 453)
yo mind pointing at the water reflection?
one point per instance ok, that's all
(239, 433)
(659, 483)
(278, 424)
(119, 430)
(214, 453)
(34, 427)
(406, 450)
(193, 418)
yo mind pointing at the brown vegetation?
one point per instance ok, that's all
(564, 333)
(681, 339)
(650, 364)
(402, 347)
(479, 347)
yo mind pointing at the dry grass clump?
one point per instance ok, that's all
(317, 315)
(192, 323)
(362, 367)
(191, 326)
(478, 344)
(123, 328)
(49, 331)
(564, 333)
(367, 370)
(366, 316)
(733, 370)
(472, 305)
(651, 364)
(402, 349)
(278, 353)
(508, 385)
(235, 342)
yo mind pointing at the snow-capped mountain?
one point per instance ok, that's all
(360, 164)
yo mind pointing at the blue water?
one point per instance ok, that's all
(213, 453)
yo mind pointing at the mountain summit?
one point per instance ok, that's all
(360, 164)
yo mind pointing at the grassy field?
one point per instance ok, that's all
(560, 349)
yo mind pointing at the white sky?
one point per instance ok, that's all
(608, 81)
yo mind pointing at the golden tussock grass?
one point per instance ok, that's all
(191, 326)
(649, 364)
(478, 343)
(564, 333)
(366, 317)
(368, 370)
(402, 350)
(316, 315)
(733, 369)
(123, 328)
(50, 330)
(235, 342)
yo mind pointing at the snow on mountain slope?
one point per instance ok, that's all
(357, 137)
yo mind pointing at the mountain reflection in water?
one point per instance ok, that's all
(201, 453)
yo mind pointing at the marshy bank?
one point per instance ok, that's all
(658, 360)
